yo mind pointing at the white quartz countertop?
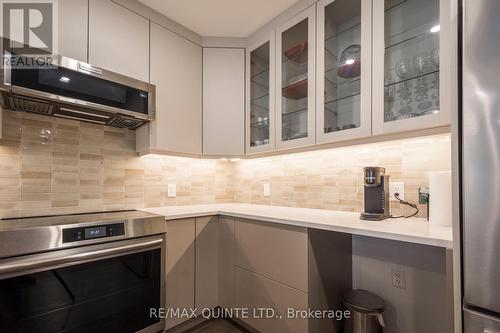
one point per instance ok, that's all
(413, 230)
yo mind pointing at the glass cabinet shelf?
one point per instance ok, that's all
(260, 104)
(290, 113)
(425, 76)
(260, 123)
(331, 41)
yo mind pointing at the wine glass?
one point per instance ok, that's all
(435, 81)
(388, 96)
(420, 62)
(404, 90)
(388, 89)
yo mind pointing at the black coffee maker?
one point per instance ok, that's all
(376, 194)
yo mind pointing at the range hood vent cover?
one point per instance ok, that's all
(28, 105)
(33, 105)
(125, 122)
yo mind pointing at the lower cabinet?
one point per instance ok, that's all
(273, 272)
(290, 270)
(226, 283)
(207, 263)
(180, 275)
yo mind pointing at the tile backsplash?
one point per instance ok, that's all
(59, 166)
(333, 178)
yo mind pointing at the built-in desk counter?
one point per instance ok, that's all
(412, 230)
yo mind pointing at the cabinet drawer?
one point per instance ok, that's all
(254, 291)
(278, 252)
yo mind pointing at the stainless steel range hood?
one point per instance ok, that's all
(72, 89)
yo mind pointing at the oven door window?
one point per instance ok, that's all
(111, 295)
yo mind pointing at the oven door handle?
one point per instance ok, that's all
(51, 260)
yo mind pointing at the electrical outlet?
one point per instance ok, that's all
(396, 188)
(398, 278)
(267, 190)
(423, 195)
(172, 190)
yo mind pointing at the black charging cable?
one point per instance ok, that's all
(396, 195)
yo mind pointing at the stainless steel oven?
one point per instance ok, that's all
(82, 273)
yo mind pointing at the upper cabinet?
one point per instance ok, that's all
(410, 37)
(260, 109)
(223, 102)
(118, 39)
(344, 70)
(351, 69)
(73, 28)
(176, 71)
(295, 81)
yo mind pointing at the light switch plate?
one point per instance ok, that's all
(172, 190)
(267, 190)
(396, 187)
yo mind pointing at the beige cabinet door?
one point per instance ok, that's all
(255, 292)
(73, 29)
(180, 267)
(226, 281)
(278, 252)
(223, 102)
(176, 70)
(207, 262)
(118, 39)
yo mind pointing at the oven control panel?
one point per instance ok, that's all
(93, 232)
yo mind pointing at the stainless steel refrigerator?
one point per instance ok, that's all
(481, 165)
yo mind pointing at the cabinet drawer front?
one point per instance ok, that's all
(254, 291)
(278, 252)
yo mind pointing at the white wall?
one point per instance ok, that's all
(422, 307)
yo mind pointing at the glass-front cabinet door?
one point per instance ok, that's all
(411, 38)
(343, 88)
(260, 91)
(295, 73)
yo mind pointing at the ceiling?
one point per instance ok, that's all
(221, 18)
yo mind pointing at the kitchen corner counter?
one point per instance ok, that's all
(412, 230)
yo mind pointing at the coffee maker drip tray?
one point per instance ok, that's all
(373, 216)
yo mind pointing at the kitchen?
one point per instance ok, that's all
(152, 178)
